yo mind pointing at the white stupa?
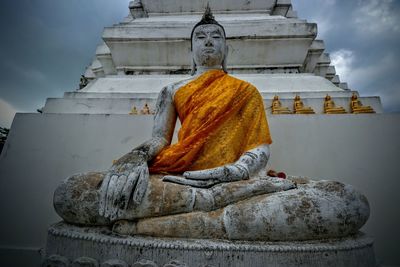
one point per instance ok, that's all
(268, 46)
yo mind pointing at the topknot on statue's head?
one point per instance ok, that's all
(208, 15)
(207, 19)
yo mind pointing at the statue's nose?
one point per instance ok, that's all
(208, 42)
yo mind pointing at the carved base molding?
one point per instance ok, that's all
(69, 245)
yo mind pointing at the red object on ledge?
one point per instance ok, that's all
(273, 173)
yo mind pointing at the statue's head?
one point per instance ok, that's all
(208, 43)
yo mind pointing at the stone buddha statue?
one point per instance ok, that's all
(299, 107)
(212, 182)
(331, 108)
(357, 107)
(277, 107)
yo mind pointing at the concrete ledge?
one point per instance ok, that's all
(274, 83)
(119, 105)
(199, 6)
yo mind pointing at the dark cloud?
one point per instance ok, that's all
(47, 44)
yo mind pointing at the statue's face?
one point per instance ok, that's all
(209, 46)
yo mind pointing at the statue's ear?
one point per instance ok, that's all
(193, 67)
(224, 65)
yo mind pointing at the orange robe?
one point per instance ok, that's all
(222, 117)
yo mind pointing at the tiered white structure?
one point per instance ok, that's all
(269, 47)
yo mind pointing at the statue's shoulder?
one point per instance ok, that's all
(172, 88)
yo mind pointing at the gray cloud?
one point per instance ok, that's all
(377, 16)
(47, 44)
(363, 38)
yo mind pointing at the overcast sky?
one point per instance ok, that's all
(46, 45)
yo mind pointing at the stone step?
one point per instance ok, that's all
(153, 95)
(279, 82)
(168, 7)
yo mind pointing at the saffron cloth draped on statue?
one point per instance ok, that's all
(222, 117)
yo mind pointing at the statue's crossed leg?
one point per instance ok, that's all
(261, 208)
(76, 200)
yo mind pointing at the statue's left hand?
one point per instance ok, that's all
(125, 182)
(210, 177)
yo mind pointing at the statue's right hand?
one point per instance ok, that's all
(124, 183)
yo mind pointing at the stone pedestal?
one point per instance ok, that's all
(69, 245)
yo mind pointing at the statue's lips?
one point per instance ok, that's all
(208, 50)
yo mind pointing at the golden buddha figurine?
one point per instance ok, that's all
(299, 107)
(133, 111)
(357, 107)
(277, 107)
(145, 110)
(331, 108)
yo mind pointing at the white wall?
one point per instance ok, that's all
(43, 149)
(360, 150)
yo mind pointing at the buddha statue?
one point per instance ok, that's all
(299, 107)
(357, 107)
(330, 107)
(211, 183)
(277, 107)
(145, 110)
(133, 111)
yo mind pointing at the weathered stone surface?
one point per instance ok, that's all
(144, 263)
(76, 200)
(73, 242)
(175, 263)
(315, 210)
(85, 262)
(55, 261)
(83, 203)
(114, 263)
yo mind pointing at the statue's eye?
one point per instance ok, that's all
(216, 36)
(201, 36)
